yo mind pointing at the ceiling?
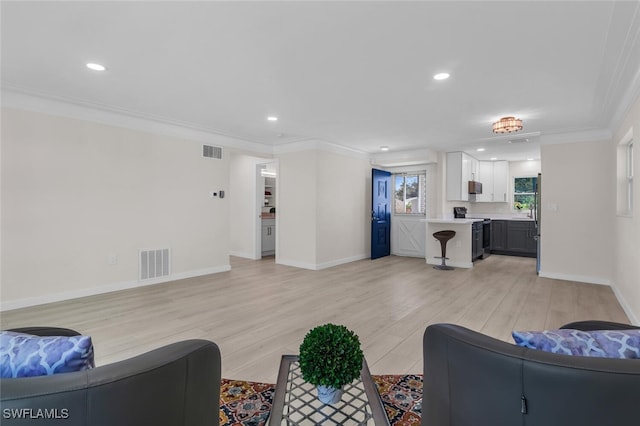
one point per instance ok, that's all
(352, 73)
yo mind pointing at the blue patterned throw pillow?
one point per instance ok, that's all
(602, 343)
(619, 343)
(24, 355)
(567, 342)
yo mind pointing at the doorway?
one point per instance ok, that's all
(266, 210)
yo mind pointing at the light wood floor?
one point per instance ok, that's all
(259, 310)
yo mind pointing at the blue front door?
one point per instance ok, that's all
(380, 213)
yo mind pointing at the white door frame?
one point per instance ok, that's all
(259, 203)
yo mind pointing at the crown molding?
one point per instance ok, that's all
(13, 97)
(17, 98)
(320, 145)
(627, 62)
(628, 100)
(405, 158)
(591, 135)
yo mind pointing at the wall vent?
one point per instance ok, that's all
(210, 151)
(154, 263)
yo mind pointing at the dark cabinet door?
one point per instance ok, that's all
(498, 234)
(513, 237)
(520, 237)
(532, 244)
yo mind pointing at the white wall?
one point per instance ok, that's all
(577, 212)
(75, 193)
(343, 210)
(296, 234)
(523, 169)
(626, 277)
(324, 205)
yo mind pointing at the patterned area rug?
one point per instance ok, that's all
(249, 403)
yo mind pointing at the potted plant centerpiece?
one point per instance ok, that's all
(330, 357)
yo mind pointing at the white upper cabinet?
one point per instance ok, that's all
(461, 168)
(500, 181)
(494, 176)
(485, 176)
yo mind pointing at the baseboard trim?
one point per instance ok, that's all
(407, 253)
(243, 254)
(625, 306)
(599, 281)
(126, 285)
(578, 278)
(295, 264)
(319, 266)
(342, 261)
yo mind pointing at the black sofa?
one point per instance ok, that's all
(177, 384)
(471, 379)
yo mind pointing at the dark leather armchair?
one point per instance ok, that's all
(177, 384)
(471, 379)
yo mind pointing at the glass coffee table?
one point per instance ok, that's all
(295, 401)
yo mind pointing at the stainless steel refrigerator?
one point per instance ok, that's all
(537, 216)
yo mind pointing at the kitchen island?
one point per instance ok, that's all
(459, 248)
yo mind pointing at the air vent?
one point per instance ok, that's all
(210, 151)
(154, 263)
(521, 140)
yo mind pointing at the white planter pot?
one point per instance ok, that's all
(329, 395)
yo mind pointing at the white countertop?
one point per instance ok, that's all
(524, 218)
(453, 221)
(475, 218)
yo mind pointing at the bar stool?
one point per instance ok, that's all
(443, 237)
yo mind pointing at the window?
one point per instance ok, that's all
(630, 177)
(624, 175)
(410, 193)
(524, 193)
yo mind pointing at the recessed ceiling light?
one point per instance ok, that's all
(96, 67)
(529, 159)
(494, 158)
(272, 118)
(384, 148)
(480, 149)
(441, 76)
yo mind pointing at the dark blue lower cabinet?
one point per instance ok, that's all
(513, 237)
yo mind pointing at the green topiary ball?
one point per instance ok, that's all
(330, 355)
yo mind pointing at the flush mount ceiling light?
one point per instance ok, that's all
(441, 76)
(272, 118)
(384, 148)
(96, 67)
(480, 149)
(507, 125)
